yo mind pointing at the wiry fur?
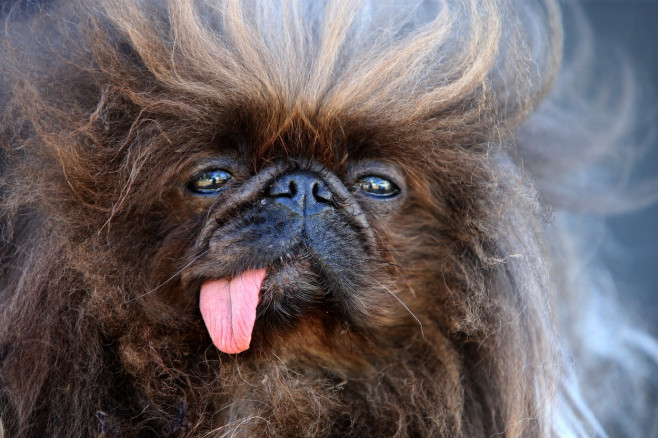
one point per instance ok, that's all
(106, 103)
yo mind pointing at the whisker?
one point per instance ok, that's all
(422, 332)
(168, 279)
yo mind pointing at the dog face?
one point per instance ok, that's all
(293, 231)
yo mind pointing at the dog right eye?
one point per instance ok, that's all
(377, 187)
(209, 182)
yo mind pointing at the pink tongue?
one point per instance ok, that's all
(229, 309)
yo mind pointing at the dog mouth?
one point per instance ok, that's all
(275, 295)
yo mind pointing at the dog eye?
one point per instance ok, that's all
(209, 182)
(378, 187)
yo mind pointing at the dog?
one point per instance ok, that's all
(324, 218)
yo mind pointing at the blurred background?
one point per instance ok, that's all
(631, 244)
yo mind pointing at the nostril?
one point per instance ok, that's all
(292, 188)
(321, 192)
(285, 187)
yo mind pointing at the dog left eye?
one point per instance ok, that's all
(209, 182)
(377, 186)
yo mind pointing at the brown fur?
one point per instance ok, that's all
(107, 106)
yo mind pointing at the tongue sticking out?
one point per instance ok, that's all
(228, 308)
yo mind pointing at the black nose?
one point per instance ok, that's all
(302, 192)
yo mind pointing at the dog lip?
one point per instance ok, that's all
(289, 289)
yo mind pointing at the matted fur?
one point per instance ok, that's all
(106, 103)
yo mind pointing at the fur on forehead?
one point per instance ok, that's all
(319, 74)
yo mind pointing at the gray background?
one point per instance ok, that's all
(632, 25)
